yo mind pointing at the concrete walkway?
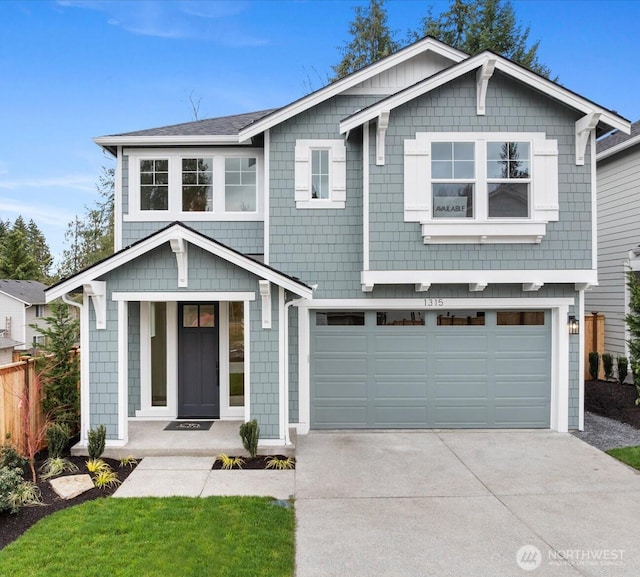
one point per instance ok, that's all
(463, 503)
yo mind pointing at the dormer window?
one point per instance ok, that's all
(220, 184)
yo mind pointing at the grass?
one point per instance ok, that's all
(628, 455)
(221, 536)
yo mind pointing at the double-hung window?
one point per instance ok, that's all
(218, 184)
(481, 187)
(320, 174)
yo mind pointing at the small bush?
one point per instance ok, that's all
(607, 364)
(57, 438)
(9, 457)
(103, 479)
(623, 368)
(594, 365)
(281, 464)
(10, 480)
(228, 462)
(97, 438)
(250, 435)
(128, 461)
(53, 467)
(97, 466)
(27, 494)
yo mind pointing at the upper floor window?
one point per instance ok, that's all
(221, 184)
(320, 174)
(481, 187)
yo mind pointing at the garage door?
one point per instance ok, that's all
(423, 369)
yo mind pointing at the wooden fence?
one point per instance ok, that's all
(593, 341)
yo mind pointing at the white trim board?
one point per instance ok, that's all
(183, 296)
(450, 303)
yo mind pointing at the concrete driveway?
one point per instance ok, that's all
(463, 503)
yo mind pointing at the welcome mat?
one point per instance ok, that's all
(189, 426)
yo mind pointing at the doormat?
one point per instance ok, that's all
(189, 426)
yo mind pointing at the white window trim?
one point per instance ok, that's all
(481, 229)
(337, 174)
(175, 212)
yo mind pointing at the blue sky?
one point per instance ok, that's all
(72, 70)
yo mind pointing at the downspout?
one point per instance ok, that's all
(285, 355)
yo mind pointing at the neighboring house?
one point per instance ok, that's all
(6, 350)
(618, 179)
(400, 249)
(22, 304)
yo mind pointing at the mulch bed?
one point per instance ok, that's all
(12, 525)
(613, 400)
(257, 462)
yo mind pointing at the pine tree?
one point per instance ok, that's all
(39, 250)
(371, 40)
(17, 260)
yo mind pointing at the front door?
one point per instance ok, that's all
(198, 360)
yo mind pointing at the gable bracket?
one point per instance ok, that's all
(584, 126)
(265, 293)
(532, 286)
(422, 287)
(383, 124)
(483, 76)
(179, 247)
(477, 287)
(97, 291)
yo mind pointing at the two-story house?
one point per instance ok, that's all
(404, 248)
(22, 307)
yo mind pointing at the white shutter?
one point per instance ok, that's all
(338, 172)
(417, 180)
(545, 180)
(302, 170)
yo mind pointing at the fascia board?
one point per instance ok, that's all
(201, 139)
(618, 148)
(349, 82)
(510, 69)
(165, 236)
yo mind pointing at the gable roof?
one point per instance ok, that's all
(29, 292)
(164, 235)
(6, 343)
(608, 119)
(197, 132)
(618, 141)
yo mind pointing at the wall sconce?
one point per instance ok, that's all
(574, 325)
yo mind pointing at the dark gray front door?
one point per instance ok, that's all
(198, 357)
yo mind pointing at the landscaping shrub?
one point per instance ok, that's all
(633, 324)
(57, 438)
(594, 365)
(250, 435)
(623, 369)
(607, 364)
(10, 481)
(97, 438)
(9, 457)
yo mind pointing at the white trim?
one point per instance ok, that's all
(166, 216)
(117, 200)
(227, 412)
(344, 84)
(337, 173)
(468, 231)
(97, 290)
(123, 372)
(559, 307)
(618, 147)
(484, 74)
(181, 249)
(283, 353)
(585, 128)
(196, 139)
(183, 296)
(581, 346)
(321, 203)
(381, 132)
(247, 361)
(164, 236)
(528, 78)
(594, 204)
(412, 277)
(266, 179)
(365, 196)
(85, 382)
(265, 295)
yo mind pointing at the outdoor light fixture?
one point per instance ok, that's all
(574, 325)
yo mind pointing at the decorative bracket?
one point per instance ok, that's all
(367, 288)
(477, 287)
(383, 124)
(422, 287)
(532, 286)
(265, 293)
(179, 247)
(583, 286)
(482, 82)
(584, 126)
(97, 290)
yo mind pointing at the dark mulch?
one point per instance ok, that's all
(257, 462)
(613, 400)
(12, 525)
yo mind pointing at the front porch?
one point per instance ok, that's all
(148, 438)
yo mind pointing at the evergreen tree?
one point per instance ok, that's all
(476, 25)
(39, 251)
(371, 40)
(17, 260)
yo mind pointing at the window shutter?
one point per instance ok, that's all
(417, 177)
(339, 172)
(302, 171)
(545, 180)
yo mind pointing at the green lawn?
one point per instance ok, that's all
(215, 536)
(628, 455)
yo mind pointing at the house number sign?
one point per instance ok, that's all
(434, 303)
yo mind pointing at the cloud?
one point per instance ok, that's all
(85, 183)
(40, 213)
(212, 21)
